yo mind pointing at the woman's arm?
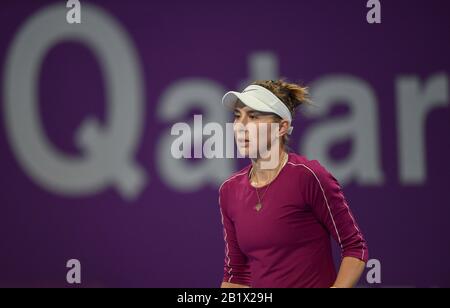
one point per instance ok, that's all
(331, 209)
(228, 285)
(236, 267)
(349, 273)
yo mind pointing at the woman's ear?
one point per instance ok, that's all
(283, 128)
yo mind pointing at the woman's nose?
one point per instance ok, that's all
(240, 126)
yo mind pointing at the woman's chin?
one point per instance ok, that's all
(243, 152)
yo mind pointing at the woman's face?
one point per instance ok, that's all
(252, 128)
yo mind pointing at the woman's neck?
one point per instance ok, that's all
(260, 175)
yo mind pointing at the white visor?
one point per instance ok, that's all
(260, 99)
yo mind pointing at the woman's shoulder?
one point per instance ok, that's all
(309, 168)
(236, 178)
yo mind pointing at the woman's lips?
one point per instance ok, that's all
(244, 142)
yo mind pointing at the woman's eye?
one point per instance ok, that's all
(236, 116)
(252, 117)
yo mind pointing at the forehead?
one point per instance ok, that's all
(241, 107)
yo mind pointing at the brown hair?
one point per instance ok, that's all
(291, 94)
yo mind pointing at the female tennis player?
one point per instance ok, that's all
(278, 221)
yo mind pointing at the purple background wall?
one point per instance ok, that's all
(168, 238)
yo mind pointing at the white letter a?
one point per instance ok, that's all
(374, 15)
(74, 274)
(74, 14)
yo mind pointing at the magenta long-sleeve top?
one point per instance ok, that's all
(287, 242)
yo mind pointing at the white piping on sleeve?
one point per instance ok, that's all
(329, 210)
(232, 177)
(227, 250)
